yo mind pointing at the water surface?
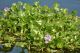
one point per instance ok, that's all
(69, 4)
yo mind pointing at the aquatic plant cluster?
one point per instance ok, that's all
(39, 28)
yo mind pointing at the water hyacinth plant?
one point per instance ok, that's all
(26, 26)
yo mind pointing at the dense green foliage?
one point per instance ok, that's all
(27, 25)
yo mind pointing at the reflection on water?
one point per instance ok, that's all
(13, 50)
(16, 50)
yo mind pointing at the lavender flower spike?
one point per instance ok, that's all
(47, 38)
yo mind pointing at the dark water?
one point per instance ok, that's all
(13, 50)
(69, 4)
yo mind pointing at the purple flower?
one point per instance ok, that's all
(6, 9)
(47, 38)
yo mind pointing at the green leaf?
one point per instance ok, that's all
(1, 33)
(7, 44)
(20, 44)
